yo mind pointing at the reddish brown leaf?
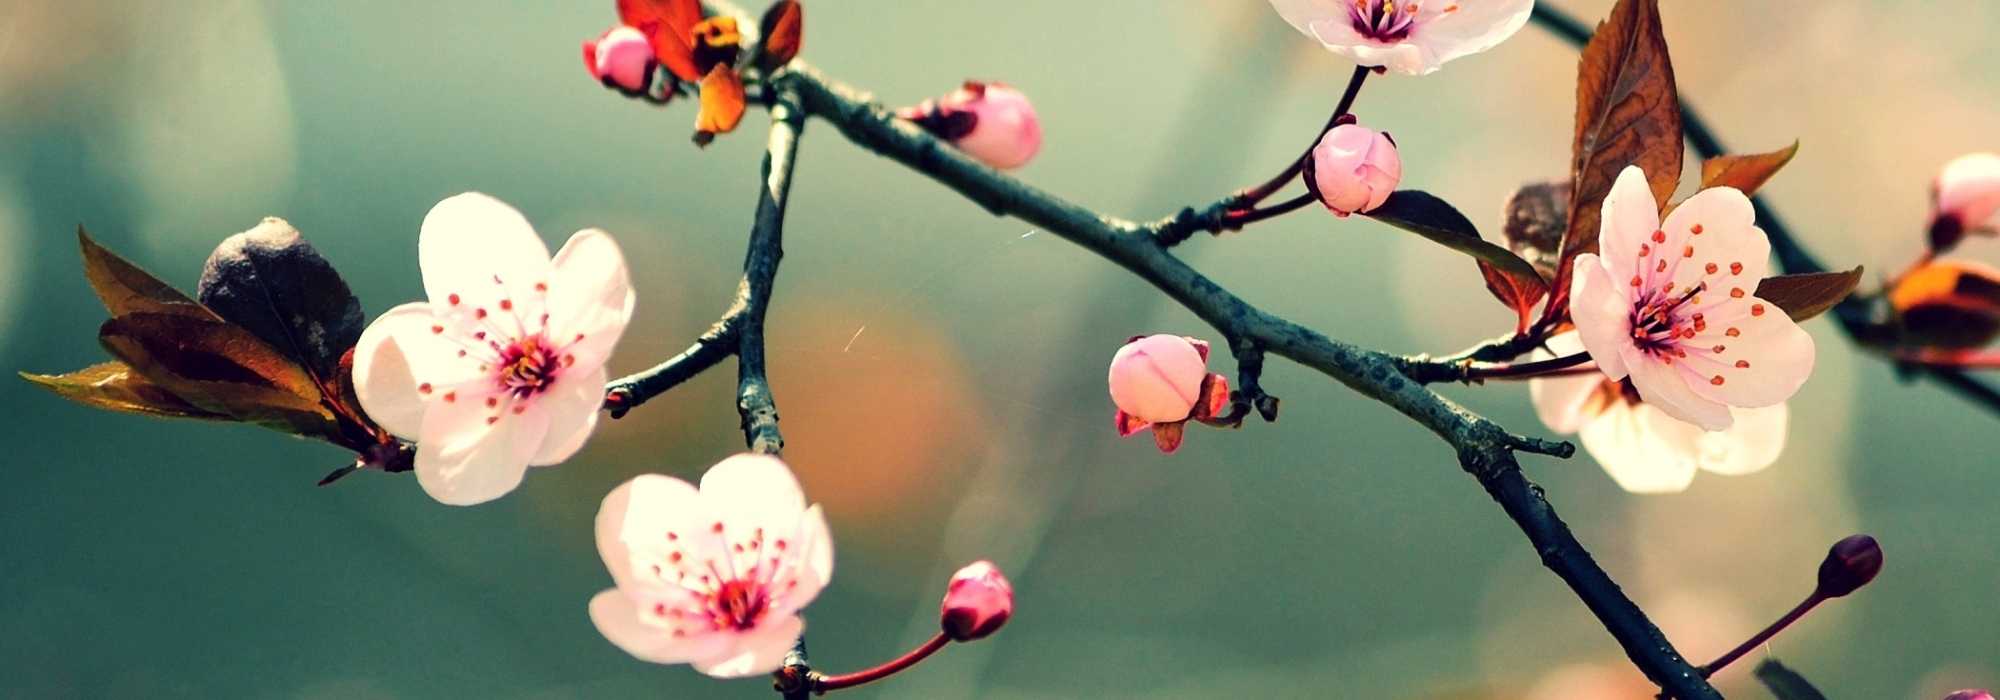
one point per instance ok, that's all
(124, 288)
(1167, 436)
(1627, 113)
(721, 104)
(220, 368)
(1519, 292)
(1746, 173)
(1948, 304)
(114, 386)
(669, 27)
(1807, 295)
(783, 28)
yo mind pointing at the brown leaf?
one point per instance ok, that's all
(124, 288)
(114, 386)
(721, 104)
(1746, 173)
(220, 368)
(783, 28)
(1804, 296)
(1627, 113)
(1948, 304)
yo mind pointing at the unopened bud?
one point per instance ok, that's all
(991, 122)
(621, 58)
(1353, 169)
(978, 601)
(1965, 198)
(1157, 378)
(1969, 694)
(1849, 565)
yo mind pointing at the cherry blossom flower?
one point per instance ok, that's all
(711, 577)
(1413, 38)
(991, 122)
(1672, 305)
(1162, 382)
(978, 601)
(1353, 169)
(621, 58)
(504, 367)
(1641, 447)
(1965, 198)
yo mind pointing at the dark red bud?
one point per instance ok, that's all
(1849, 565)
(978, 601)
(1969, 694)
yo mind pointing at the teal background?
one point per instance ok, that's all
(940, 373)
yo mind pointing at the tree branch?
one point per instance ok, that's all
(1485, 450)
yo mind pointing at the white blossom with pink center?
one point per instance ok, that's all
(1641, 447)
(1967, 192)
(711, 577)
(1672, 305)
(504, 367)
(1413, 38)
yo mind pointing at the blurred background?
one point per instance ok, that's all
(941, 371)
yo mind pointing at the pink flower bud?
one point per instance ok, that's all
(1969, 694)
(1157, 378)
(991, 122)
(1965, 198)
(978, 601)
(1353, 169)
(622, 59)
(1849, 565)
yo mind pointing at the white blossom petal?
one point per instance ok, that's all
(1667, 387)
(1752, 443)
(462, 459)
(383, 379)
(470, 244)
(572, 405)
(617, 617)
(590, 297)
(757, 652)
(1627, 221)
(1603, 314)
(1642, 449)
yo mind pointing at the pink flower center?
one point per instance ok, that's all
(737, 604)
(529, 366)
(1658, 325)
(1383, 20)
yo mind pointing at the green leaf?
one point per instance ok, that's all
(1511, 280)
(114, 386)
(271, 282)
(1804, 296)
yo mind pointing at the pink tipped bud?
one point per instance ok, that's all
(1965, 197)
(1353, 169)
(977, 603)
(991, 122)
(1849, 565)
(1969, 694)
(1158, 378)
(621, 58)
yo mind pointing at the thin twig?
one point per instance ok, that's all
(1485, 450)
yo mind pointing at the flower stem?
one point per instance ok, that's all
(1254, 195)
(1244, 217)
(1523, 370)
(892, 667)
(1758, 639)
